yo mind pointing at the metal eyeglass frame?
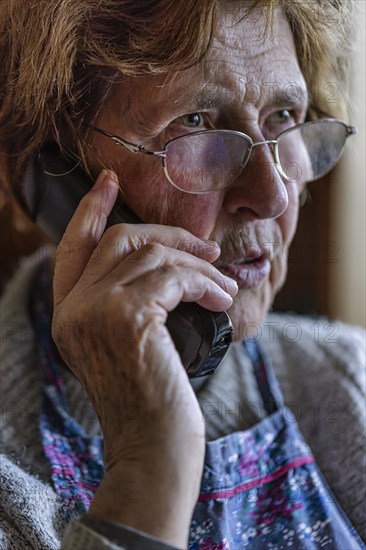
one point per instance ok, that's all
(273, 143)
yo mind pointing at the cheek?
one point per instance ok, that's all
(288, 220)
(155, 200)
(144, 187)
(287, 224)
(152, 197)
(197, 214)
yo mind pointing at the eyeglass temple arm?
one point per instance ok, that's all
(351, 130)
(133, 148)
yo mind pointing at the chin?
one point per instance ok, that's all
(249, 310)
(251, 305)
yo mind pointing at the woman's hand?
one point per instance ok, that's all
(112, 292)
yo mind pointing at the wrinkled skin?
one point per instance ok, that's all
(125, 281)
(244, 77)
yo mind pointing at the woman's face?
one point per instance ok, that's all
(244, 83)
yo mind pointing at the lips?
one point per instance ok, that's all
(247, 271)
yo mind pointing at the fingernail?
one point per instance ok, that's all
(211, 247)
(210, 243)
(112, 175)
(232, 284)
(103, 176)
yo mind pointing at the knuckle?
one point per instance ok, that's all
(122, 238)
(170, 270)
(153, 249)
(119, 236)
(116, 232)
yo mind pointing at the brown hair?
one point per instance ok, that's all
(59, 59)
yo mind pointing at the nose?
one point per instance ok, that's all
(259, 189)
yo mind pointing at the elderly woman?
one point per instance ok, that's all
(204, 119)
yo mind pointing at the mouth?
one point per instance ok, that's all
(248, 271)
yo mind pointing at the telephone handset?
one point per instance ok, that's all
(50, 193)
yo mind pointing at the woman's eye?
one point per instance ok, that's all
(281, 117)
(279, 121)
(284, 117)
(192, 120)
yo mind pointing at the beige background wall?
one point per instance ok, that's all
(347, 299)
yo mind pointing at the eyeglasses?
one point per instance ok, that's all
(209, 160)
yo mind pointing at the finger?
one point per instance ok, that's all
(83, 233)
(169, 286)
(122, 240)
(155, 257)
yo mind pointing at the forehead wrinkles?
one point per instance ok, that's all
(240, 67)
(241, 61)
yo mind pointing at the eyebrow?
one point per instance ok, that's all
(294, 94)
(290, 95)
(207, 101)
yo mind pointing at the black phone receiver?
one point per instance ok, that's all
(50, 193)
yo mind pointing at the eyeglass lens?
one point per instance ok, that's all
(310, 151)
(206, 161)
(211, 160)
